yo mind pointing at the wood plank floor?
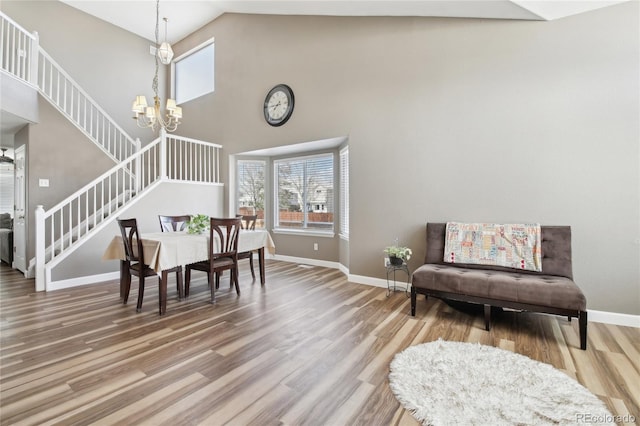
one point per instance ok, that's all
(308, 348)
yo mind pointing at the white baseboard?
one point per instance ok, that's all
(305, 261)
(90, 279)
(613, 318)
(363, 279)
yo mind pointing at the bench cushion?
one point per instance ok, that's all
(539, 289)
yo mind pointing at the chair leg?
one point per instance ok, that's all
(140, 293)
(187, 280)
(126, 287)
(162, 292)
(253, 274)
(234, 276)
(179, 283)
(213, 287)
(217, 280)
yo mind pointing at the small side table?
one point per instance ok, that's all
(391, 270)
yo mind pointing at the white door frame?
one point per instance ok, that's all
(20, 221)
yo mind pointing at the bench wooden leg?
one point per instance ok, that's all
(487, 317)
(414, 297)
(582, 320)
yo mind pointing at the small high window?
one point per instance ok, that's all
(193, 73)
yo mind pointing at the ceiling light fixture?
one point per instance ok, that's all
(165, 52)
(151, 116)
(4, 158)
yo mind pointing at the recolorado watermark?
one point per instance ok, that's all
(605, 418)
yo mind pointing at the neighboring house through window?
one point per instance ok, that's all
(304, 193)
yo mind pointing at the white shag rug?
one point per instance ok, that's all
(455, 383)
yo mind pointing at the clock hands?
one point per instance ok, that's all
(277, 105)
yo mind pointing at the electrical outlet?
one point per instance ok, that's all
(386, 262)
(152, 50)
(43, 183)
(315, 246)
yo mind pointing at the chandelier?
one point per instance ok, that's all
(147, 116)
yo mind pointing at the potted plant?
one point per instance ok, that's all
(398, 254)
(198, 224)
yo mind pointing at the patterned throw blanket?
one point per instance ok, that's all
(516, 246)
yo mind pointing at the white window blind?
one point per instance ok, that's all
(344, 192)
(251, 184)
(304, 193)
(6, 189)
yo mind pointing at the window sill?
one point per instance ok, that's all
(304, 232)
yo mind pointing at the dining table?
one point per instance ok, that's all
(166, 250)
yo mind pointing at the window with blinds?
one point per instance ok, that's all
(344, 193)
(6, 189)
(304, 193)
(251, 185)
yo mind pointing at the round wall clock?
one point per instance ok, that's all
(278, 105)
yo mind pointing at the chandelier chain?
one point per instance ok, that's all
(154, 85)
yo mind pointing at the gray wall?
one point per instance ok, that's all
(452, 119)
(447, 119)
(169, 198)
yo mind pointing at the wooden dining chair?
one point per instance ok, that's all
(175, 224)
(248, 222)
(134, 263)
(223, 254)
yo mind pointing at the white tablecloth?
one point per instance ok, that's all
(166, 250)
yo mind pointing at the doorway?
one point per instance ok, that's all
(19, 215)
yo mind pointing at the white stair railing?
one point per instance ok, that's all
(66, 226)
(18, 51)
(67, 96)
(22, 57)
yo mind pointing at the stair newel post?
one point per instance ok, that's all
(138, 165)
(163, 154)
(33, 61)
(40, 249)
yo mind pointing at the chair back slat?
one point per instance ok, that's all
(227, 231)
(130, 239)
(173, 223)
(249, 222)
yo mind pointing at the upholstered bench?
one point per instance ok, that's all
(550, 291)
(6, 238)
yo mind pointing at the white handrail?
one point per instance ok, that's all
(63, 228)
(23, 57)
(17, 50)
(73, 102)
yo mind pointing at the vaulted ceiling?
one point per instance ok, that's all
(186, 16)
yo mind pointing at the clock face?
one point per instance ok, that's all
(278, 105)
